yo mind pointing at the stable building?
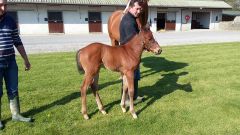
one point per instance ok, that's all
(88, 16)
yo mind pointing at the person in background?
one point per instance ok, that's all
(9, 37)
(128, 29)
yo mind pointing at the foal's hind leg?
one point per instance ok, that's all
(94, 87)
(86, 82)
(123, 100)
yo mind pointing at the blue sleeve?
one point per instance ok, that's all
(16, 38)
(15, 34)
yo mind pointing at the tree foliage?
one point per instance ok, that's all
(234, 3)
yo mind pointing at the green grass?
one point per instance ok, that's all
(188, 89)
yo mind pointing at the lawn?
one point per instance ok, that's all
(191, 89)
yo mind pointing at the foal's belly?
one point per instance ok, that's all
(111, 67)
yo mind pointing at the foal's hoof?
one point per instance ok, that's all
(123, 109)
(85, 116)
(134, 115)
(103, 112)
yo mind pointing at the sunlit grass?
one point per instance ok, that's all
(188, 90)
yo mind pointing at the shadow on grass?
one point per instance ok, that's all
(164, 86)
(64, 100)
(43, 108)
(159, 64)
(167, 84)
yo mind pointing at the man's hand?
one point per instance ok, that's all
(21, 50)
(27, 65)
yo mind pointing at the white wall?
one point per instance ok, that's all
(186, 25)
(84, 24)
(105, 16)
(72, 22)
(31, 17)
(106, 13)
(152, 13)
(28, 22)
(178, 20)
(214, 24)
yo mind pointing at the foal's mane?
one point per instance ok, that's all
(142, 30)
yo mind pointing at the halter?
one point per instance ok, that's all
(147, 46)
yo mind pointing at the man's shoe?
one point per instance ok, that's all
(1, 125)
(139, 99)
(15, 110)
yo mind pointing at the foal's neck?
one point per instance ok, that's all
(135, 46)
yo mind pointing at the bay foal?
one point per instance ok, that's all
(124, 59)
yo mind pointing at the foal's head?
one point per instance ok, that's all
(150, 44)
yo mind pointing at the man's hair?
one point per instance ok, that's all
(140, 2)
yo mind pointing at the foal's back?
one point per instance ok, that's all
(95, 54)
(103, 50)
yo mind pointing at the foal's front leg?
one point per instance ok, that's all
(94, 87)
(130, 80)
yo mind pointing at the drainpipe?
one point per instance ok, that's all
(38, 13)
(181, 21)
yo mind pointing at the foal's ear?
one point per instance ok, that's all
(147, 26)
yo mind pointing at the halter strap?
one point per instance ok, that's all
(126, 9)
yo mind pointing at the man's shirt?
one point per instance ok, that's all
(9, 37)
(128, 28)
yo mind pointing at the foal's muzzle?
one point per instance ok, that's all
(159, 51)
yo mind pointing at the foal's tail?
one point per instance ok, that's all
(79, 65)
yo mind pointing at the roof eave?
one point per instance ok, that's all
(159, 6)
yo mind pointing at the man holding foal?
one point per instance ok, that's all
(128, 29)
(9, 38)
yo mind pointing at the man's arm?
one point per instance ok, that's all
(22, 52)
(19, 45)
